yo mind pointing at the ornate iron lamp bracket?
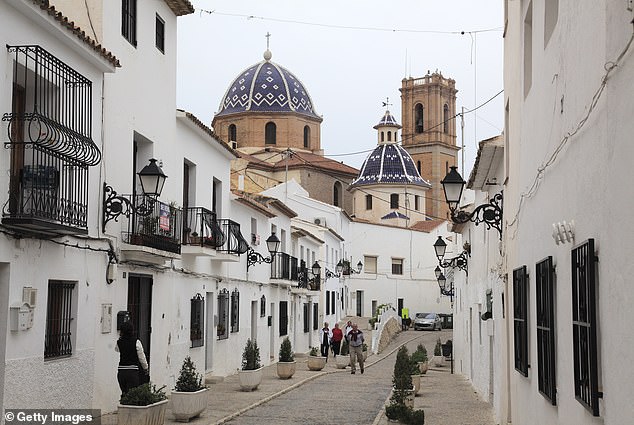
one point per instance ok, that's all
(254, 257)
(115, 205)
(460, 262)
(330, 274)
(489, 214)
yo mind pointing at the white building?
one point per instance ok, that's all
(569, 73)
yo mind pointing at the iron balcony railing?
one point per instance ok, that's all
(161, 229)
(232, 240)
(284, 266)
(201, 228)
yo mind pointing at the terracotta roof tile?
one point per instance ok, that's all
(180, 7)
(210, 132)
(426, 225)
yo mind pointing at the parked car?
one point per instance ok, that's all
(430, 321)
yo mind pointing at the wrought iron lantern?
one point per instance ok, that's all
(489, 214)
(152, 180)
(316, 269)
(444, 290)
(459, 262)
(254, 257)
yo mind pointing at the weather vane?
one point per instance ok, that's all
(387, 103)
(268, 35)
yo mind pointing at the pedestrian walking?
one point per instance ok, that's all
(131, 356)
(325, 335)
(347, 329)
(337, 336)
(356, 340)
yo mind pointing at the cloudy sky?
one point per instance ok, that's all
(351, 55)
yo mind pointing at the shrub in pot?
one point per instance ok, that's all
(142, 405)
(438, 359)
(402, 391)
(251, 373)
(315, 360)
(189, 398)
(286, 361)
(420, 356)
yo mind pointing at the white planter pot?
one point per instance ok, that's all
(285, 369)
(187, 405)
(316, 362)
(154, 414)
(342, 361)
(416, 383)
(438, 361)
(423, 366)
(250, 379)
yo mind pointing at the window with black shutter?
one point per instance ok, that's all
(315, 316)
(332, 302)
(222, 330)
(197, 305)
(128, 20)
(584, 326)
(520, 319)
(235, 311)
(263, 306)
(306, 318)
(160, 34)
(59, 316)
(544, 285)
(283, 318)
(327, 302)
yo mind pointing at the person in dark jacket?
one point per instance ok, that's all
(131, 355)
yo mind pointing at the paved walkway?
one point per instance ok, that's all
(447, 399)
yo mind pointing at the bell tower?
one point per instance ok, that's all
(429, 132)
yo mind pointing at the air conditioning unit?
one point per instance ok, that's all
(255, 239)
(320, 221)
(29, 296)
(234, 144)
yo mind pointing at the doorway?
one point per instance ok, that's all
(360, 303)
(140, 308)
(254, 321)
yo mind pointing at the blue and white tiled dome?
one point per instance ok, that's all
(389, 164)
(267, 87)
(387, 120)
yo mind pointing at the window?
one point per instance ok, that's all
(128, 20)
(263, 306)
(445, 119)
(315, 316)
(417, 202)
(397, 266)
(520, 319)
(551, 14)
(544, 283)
(418, 167)
(196, 335)
(394, 201)
(270, 131)
(327, 303)
(283, 318)
(528, 49)
(368, 202)
(306, 136)
(232, 136)
(160, 34)
(58, 341)
(419, 116)
(332, 301)
(389, 136)
(369, 264)
(337, 194)
(306, 318)
(584, 326)
(222, 331)
(235, 311)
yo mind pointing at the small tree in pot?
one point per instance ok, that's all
(315, 360)
(142, 405)
(189, 398)
(286, 363)
(251, 373)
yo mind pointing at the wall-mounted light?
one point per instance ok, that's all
(254, 257)
(489, 214)
(442, 283)
(152, 180)
(337, 272)
(459, 262)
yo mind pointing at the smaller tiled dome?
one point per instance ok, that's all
(389, 164)
(387, 120)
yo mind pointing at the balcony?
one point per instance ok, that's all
(155, 237)
(229, 242)
(202, 233)
(303, 280)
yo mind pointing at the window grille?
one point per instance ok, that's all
(263, 306)
(235, 311)
(315, 316)
(306, 318)
(222, 331)
(196, 334)
(520, 319)
(59, 317)
(584, 326)
(283, 318)
(128, 20)
(544, 282)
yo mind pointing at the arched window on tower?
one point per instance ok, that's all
(232, 133)
(306, 136)
(383, 136)
(419, 116)
(418, 167)
(337, 193)
(445, 119)
(389, 136)
(270, 133)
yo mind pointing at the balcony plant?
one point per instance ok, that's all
(315, 360)
(251, 373)
(286, 361)
(142, 405)
(189, 398)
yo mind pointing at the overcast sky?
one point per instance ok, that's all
(349, 72)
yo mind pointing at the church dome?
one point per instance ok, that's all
(389, 164)
(267, 87)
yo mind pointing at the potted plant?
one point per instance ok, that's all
(315, 360)
(420, 356)
(189, 398)
(142, 405)
(194, 239)
(343, 359)
(251, 373)
(415, 372)
(286, 362)
(402, 398)
(437, 360)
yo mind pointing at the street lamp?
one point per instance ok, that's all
(254, 257)
(442, 283)
(459, 262)
(337, 272)
(489, 214)
(152, 180)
